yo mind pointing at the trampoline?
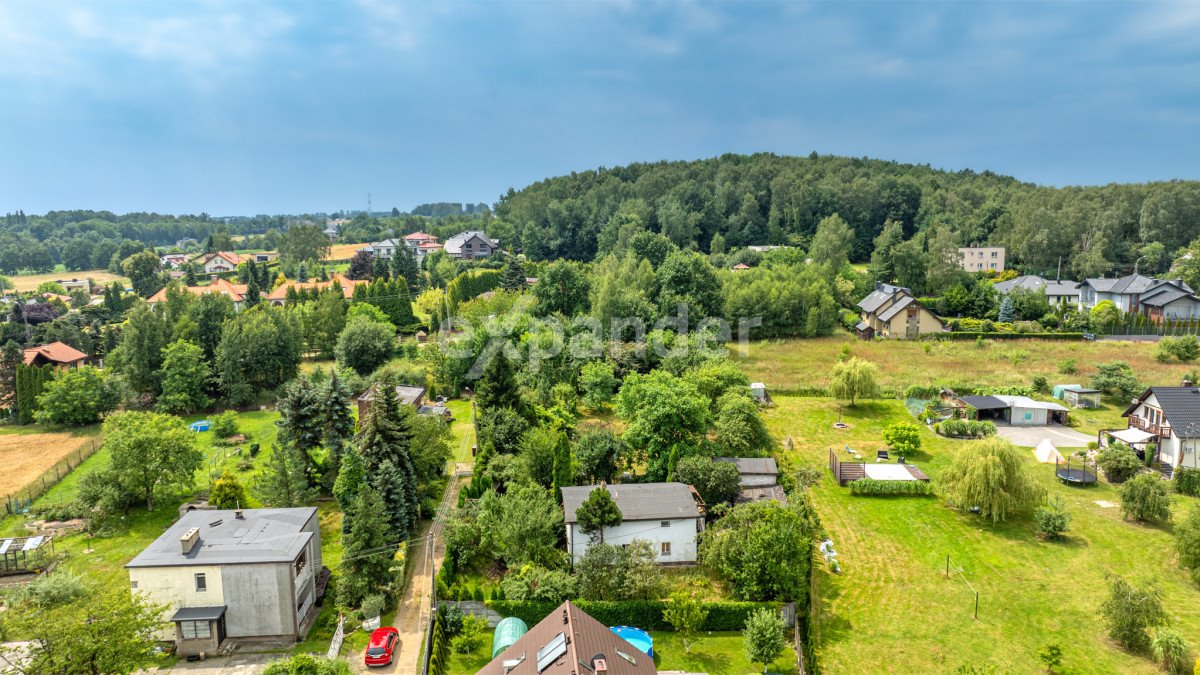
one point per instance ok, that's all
(636, 637)
(1075, 475)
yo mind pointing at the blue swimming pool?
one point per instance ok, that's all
(636, 637)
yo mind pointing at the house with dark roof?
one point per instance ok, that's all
(1158, 299)
(233, 574)
(407, 394)
(471, 244)
(1018, 411)
(758, 478)
(893, 312)
(668, 515)
(58, 354)
(1168, 419)
(570, 642)
(1057, 292)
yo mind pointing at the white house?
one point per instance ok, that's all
(1057, 292)
(233, 574)
(471, 244)
(668, 515)
(218, 262)
(1168, 417)
(383, 249)
(1156, 298)
(982, 258)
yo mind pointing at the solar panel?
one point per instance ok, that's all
(552, 651)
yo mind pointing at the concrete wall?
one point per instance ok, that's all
(175, 587)
(260, 600)
(681, 533)
(1036, 417)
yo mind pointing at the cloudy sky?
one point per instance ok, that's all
(263, 107)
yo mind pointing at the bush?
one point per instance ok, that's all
(922, 391)
(1040, 384)
(1187, 541)
(1052, 518)
(1145, 498)
(903, 438)
(78, 397)
(645, 614)
(1185, 348)
(1118, 462)
(965, 428)
(1067, 367)
(990, 335)
(224, 425)
(307, 664)
(886, 488)
(1130, 611)
(1171, 651)
(1187, 481)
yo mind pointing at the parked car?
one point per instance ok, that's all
(381, 647)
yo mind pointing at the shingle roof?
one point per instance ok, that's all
(1134, 284)
(586, 640)
(638, 501)
(1180, 406)
(347, 284)
(56, 352)
(752, 465)
(1165, 296)
(235, 292)
(454, 244)
(896, 307)
(1036, 283)
(1026, 402)
(261, 536)
(419, 236)
(881, 294)
(407, 393)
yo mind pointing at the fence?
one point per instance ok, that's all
(335, 645)
(959, 571)
(21, 500)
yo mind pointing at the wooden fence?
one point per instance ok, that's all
(20, 501)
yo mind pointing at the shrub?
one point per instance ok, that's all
(1185, 348)
(1052, 518)
(903, 438)
(1118, 462)
(881, 488)
(966, 428)
(1129, 611)
(1040, 384)
(645, 614)
(1145, 498)
(307, 664)
(470, 637)
(372, 605)
(1187, 481)
(922, 391)
(1187, 541)
(1067, 367)
(224, 425)
(1171, 650)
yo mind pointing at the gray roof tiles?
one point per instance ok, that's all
(638, 501)
(896, 308)
(1180, 405)
(262, 536)
(1036, 283)
(753, 465)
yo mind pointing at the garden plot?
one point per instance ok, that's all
(25, 457)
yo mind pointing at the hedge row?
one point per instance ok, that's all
(965, 428)
(1187, 481)
(821, 392)
(883, 488)
(644, 614)
(974, 335)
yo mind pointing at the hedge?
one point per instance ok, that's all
(1187, 481)
(974, 335)
(965, 428)
(925, 392)
(885, 488)
(644, 614)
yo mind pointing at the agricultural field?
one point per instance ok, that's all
(30, 282)
(28, 452)
(892, 609)
(799, 364)
(343, 251)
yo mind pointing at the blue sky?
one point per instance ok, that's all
(262, 107)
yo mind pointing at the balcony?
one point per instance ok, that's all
(1163, 430)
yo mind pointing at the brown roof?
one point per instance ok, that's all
(229, 257)
(419, 236)
(235, 291)
(55, 352)
(345, 282)
(586, 641)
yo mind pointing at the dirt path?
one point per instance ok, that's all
(415, 606)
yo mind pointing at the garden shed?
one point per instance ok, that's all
(1019, 411)
(1082, 398)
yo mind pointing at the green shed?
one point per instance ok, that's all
(508, 631)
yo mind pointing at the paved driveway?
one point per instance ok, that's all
(1063, 437)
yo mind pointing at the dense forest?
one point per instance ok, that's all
(738, 200)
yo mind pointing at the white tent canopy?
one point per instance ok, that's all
(1046, 453)
(1130, 435)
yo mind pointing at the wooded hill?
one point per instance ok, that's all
(739, 200)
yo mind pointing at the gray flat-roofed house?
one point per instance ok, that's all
(668, 515)
(222, 574)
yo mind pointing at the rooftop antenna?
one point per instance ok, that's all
(368, 204)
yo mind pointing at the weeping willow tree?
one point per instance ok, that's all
(853, 380)
(993, 477)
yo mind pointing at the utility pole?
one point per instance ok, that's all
(1058, 277)
(368, 204)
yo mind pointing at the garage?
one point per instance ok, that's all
(1019, 411)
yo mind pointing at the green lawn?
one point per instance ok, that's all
(462, 431)
(892, 610)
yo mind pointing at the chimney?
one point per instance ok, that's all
(599, 664)
(237, 513)
(1186, 383)
(189, 540)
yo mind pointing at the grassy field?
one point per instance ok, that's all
(795, 364)
(27, 452)
(30, 282)
(892, 609)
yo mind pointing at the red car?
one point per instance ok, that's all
(382, 645)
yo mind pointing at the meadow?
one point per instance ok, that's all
(29, 282)
(791, 365)
(892, 608)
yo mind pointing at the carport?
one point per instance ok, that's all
(987, 407)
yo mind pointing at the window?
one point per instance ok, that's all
(666, 523)
(195, 630)
(133, 585)
(1028, 415)
(201, 583)
(666, 548)
(995, 254)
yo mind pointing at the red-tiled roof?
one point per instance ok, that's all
(56, 352)
(345, 282)
(419, 236)
(235, 292)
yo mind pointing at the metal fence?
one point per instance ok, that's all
(22, 500)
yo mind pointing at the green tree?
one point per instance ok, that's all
(992, 477)
(717, 482)
(687, 616)
(598, 382)
(143, 270)
(210, 311)
(368, 545)
(139, 355)
(301, 422)
(854, 379)
(1130, 611)
(762, 549)
(600, 572)
(763, 635)
(903, 438)
(660, 411)
(1053, 518)
(521, 526)
(284, 482)
(1119, 462)
(1116, 377)
(337, 422)
(1187, 541)
(832, 243)
(149, 454)
(598, 454)
(685, 278)
(497, 388)
(227, 492)
(77, 397)
(597, 512)
(1104, 314)
(740, 429)
(384, 441)
(31, 382)
(513, 273)
(1007, 312)
(365, 345)
(259, 350)
(404, 266)
(185, 377)
(303, 243)
(1145, 497)
(562, 288)
(352, 475)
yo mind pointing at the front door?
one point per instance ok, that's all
(912, 324)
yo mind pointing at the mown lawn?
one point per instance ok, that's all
(892, 609)
(797, 364)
